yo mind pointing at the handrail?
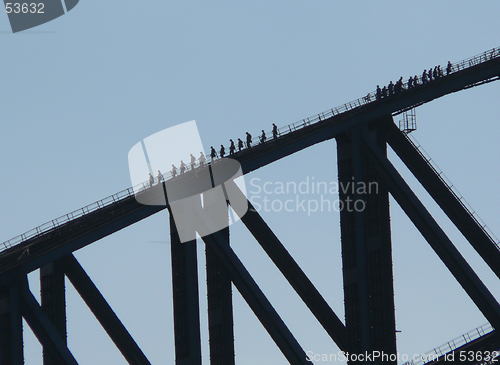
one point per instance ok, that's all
(372, 96)
(37, 231)
(459, 197)
(452, 345)
(113, 199)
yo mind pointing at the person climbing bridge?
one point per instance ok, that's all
(275, 131)
(263, 137)
(232, 148)
(202, 159)
(249, 140)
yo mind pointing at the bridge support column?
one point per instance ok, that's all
(186, 299)
(43, 328)
(53, 297)
(220, 309)
(366, 249)
(11, 326)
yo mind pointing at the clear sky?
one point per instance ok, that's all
(80, 91)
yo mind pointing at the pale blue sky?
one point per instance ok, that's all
(80, 91)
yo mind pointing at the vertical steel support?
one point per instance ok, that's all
(186, 299)
(52, 290)
(220, 309)
(11, 326)
(366, 249)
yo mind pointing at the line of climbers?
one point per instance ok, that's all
(182, 168)
(213, 154)
(241, 145)
(392, 89)
(386, 91)
(427, 76)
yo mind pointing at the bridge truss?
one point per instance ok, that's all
(362, 129)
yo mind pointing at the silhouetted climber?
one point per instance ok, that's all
(378, 93)
(391, 88)
(263, 137)
(202, 159)
(384, 92)
(232, 148)
(429, 74)
(183, 167)
(240, 144)
(410, 82)
(222, 151)
(435, 73)
(151, 180)
(424, 77)
(415, 81)
(440, 72)
(275, 131)
(449, 68)
(193, 161)
(399, 86)
(249, 140)
(174, 171)
(160, 177)
(213, 153)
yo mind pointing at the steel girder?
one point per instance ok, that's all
(366, 249)
(103, 312)
(186, 299)
(444, 197)
(433, 233)
(256, 299)
(295, 276)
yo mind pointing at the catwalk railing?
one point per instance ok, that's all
(487, 231)
(452, 345)
(370, 97)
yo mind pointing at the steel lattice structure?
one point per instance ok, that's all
(362, 129)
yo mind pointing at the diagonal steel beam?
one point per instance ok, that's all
(43, 328)
(434, 235)
(445, 198)
(295, 276)
(103, 312)
(256, 299)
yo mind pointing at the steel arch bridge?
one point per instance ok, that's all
(363, 129)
